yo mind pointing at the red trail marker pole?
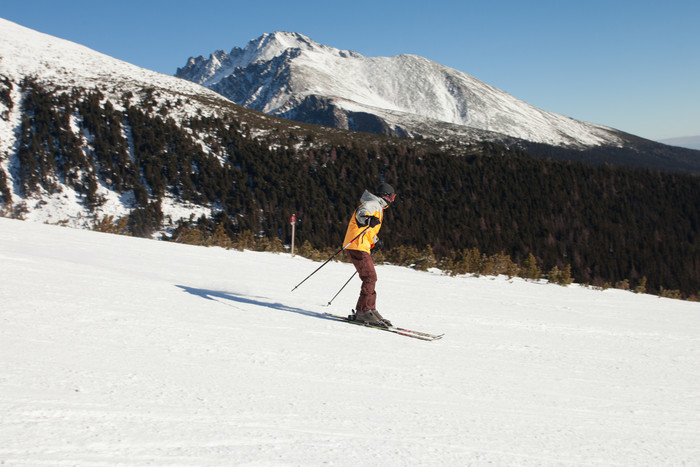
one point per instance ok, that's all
(293, 221)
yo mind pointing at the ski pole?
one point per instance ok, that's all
(341, 289)
(328, 260)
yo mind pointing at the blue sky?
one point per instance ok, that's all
(632, 65)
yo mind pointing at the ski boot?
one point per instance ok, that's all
(371, 317)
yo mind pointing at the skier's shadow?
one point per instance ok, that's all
(225, 297)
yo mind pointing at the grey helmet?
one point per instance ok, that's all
(386, 191)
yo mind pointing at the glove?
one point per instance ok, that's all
(373, 221)
(378, 244)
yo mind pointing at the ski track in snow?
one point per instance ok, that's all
(124, 351)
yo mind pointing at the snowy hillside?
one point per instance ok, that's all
(125, 351)
(61, 64)
(65, 67)
(290, 75)
(25, 53)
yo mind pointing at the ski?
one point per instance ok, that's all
(396, 330)
(420, 333)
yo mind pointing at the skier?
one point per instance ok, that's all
(366, 222)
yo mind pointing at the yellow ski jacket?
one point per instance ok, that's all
(372, 206)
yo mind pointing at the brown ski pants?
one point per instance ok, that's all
(365, 268)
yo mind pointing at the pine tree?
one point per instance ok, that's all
(529, 268)
(642, 286)
(426, 259)
(245, 241)
(220, 238)
(561, 277)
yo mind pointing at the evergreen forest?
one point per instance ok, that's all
(604, 224)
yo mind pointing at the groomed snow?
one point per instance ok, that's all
(125, 351)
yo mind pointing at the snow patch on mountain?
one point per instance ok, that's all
(63, 64)
(26, 52)
(277, 72)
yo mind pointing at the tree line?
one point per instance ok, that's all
(603, 225)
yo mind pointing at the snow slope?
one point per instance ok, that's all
(25, 52)
(126, 351)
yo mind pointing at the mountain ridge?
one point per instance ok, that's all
(689, 142)
(276, 74)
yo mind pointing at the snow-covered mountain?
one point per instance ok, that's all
(100, 181)
(64, 64)
(63, 67)
(289, 75)
(123, 351)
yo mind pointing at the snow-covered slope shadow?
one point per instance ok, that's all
(227, 297)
